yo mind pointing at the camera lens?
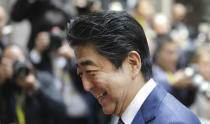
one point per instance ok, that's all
(21, 69)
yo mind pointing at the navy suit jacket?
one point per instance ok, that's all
(161, 107)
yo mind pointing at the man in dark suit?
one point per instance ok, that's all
(114, 64)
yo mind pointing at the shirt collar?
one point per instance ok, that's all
(137, 102)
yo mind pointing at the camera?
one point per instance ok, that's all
(21, 69)
(56, 38)
(198, 81)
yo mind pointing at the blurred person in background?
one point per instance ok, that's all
(42, 15)
(27, 96)
(115, 5)
(162, 27)
(175, 81)
(203, 37)
(201, 61)
(143, 13)
(87, 6)
(39, 54)
(3, 21)
(180, 32)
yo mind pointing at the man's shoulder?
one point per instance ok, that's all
(162, 108)
(174, 112)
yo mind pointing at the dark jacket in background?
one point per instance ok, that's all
(40, 107)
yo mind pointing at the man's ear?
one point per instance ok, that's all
(134, 61)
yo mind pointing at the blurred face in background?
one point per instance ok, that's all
(145, 9)
(204, 65)
(13, 53)
(10, 55)
(3, 19)
(178, 12)
(161, 24)
(42, 41)
(168, 56)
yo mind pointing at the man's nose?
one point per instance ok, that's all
(87, 84)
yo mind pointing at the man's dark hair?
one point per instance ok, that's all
(114, 35)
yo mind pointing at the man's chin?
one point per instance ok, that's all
(107, 111)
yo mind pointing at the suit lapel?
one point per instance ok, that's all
(138, 118)
(147, 112)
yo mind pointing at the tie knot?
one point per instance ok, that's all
(120, 121)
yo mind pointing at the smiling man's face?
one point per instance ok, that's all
(109, 85)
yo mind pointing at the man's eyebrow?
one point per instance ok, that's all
(86, 63)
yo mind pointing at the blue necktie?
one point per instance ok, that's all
(120, 121)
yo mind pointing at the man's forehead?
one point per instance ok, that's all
(89, 60)
(87, 55)
(84, 53)
(85, 47)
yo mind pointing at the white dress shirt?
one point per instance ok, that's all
(137, 102)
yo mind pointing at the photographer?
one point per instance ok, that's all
(201, 60)
(47, 44)
(27, 96)
(39, 55)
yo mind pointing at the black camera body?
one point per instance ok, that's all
(21, 69)
(56, 38)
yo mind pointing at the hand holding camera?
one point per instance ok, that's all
(28, 82)
(58, 45)
(20, 72)
(23, 74)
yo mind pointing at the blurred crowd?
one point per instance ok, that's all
(39, 82)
